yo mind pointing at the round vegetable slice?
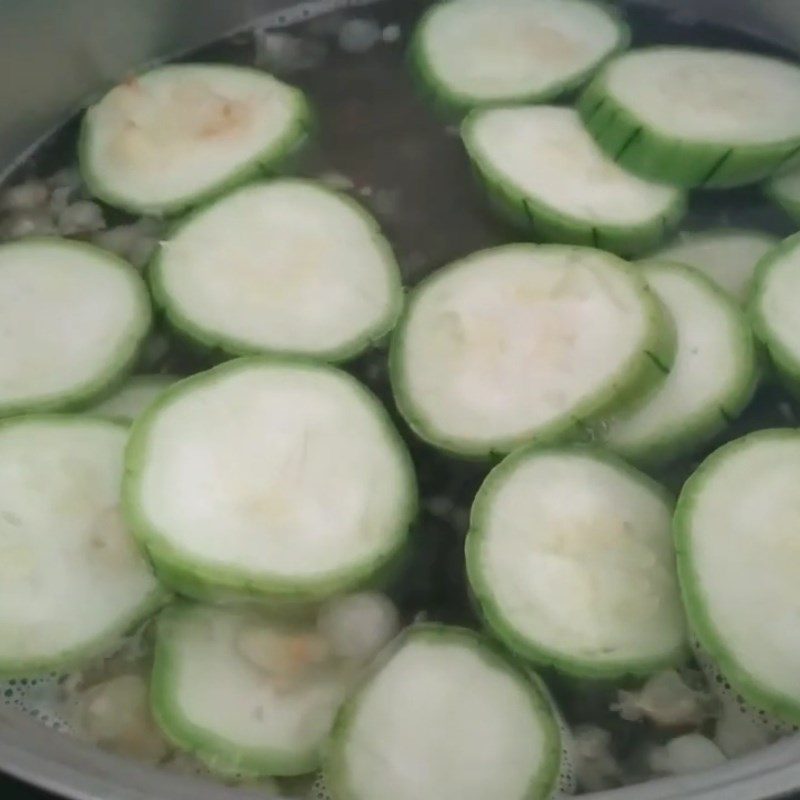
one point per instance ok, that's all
(774, 308)
(277, 479)
(470, 53)
(133, 397)
(727, 256)
(179, 134)
(693, 116)
(784, 189)
(736, 537)
(246, 694)
(544, 172)
(570, 558)
(444, 716)
(282, 267)
(712, 378)
(524, 342)
(72, 580)
(74, 318)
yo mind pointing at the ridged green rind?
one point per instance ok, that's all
(222, 757)
(270, 160)
(106, 641)
(703, 627)
(640, 375)
(217, 345)
(680, 162)
(451, 103)
(119, 365)
(206, 580)
(493, 615)
(534, 217)
(693, 432)
(784, 359)
(786, 196)
(542, 785)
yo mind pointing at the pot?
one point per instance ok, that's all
(56, 57)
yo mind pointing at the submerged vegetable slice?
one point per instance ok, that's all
(72, 581)
(728, 256)
(784, 189)
(694, 116)
(74, 318)
(176, 135)
(138, 393)
(736, 529)
(286, 266)
(277, 479)
(774, 308)
(570, 558)
(247, 695)
(445, 716)
(711, 381)
(543, 171)
(473, 53)
(524, 342)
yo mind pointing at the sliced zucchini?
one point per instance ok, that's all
(277, 479)
(74, 318)
(248, 695)
(736, 534)
(784, 189)
(133, 397)
(179, 134)
(727, 256)
(570, 558)
(524, 342)
(711, 381)
(72, 581)
(472, 53)
(694, 116)
(545, 174)
(280, 267)
(774, 308)
(444, 716)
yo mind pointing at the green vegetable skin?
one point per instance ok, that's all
(704, 158)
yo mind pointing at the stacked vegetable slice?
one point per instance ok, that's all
(470, 53)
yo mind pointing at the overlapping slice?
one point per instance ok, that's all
(728, 256)
(444, 716)
(570, 558)
(247, 694)
(774, 308)
(543, 171)
(784, 189)
(696, 116)
(525, 342)
(280, 267)
(174, 136)
(736, 528)
(72, 580)
(271, 479)
(138, 393)
(73, 320)
(710, 382)
(472, 53)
